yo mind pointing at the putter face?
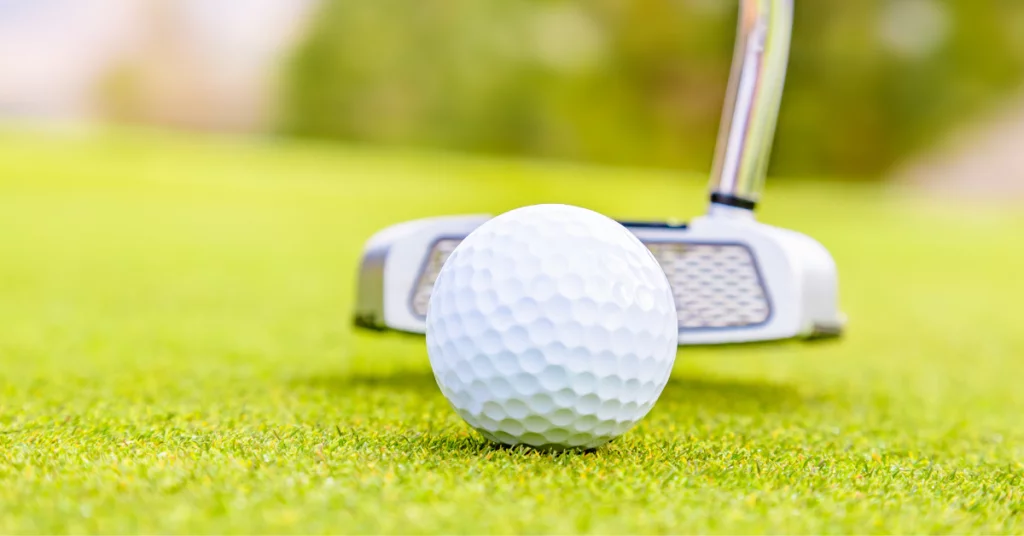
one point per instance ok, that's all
(735, 280)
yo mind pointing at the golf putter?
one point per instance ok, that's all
(735, 280)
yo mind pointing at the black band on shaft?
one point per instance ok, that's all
(732, 201)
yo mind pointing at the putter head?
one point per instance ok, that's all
(735, 280)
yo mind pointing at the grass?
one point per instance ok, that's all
(176, 356)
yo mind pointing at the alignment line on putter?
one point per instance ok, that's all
(735, 279)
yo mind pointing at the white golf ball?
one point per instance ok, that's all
(552, 326)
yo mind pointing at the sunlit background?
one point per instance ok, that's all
(925, 91)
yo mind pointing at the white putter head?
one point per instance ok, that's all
(735, 280)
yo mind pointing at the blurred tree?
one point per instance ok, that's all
(641, 82)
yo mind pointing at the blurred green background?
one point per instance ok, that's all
(873, 86)
(641, 82)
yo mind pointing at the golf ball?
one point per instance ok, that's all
(551, 326)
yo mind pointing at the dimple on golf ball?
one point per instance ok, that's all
(551, 326)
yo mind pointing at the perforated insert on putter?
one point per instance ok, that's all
(421, 293)
(715, 285)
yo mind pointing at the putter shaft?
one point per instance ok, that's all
(752, 102)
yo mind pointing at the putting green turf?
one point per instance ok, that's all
(176, 357)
